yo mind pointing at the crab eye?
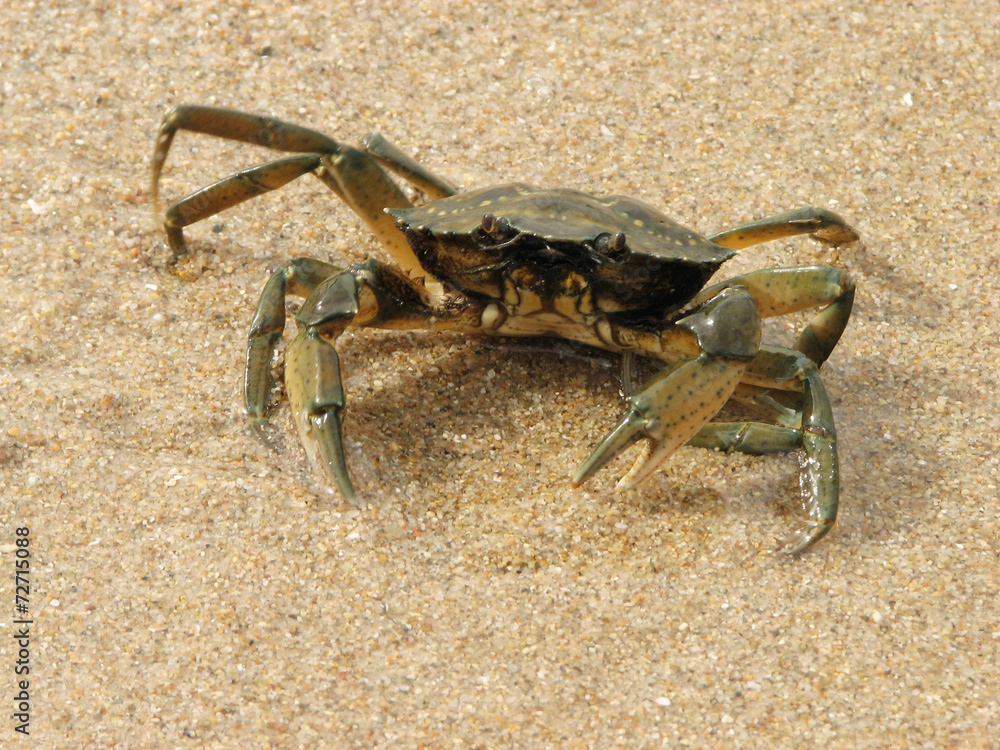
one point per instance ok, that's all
(496, 228)
(613, 247)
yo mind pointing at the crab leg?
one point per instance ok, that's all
(230, 192)
(674, 405)
(780, 291)
(412, 171)
(316, 393)
(369, 294)
(755, 438)
(352, 174)
(787, 369)
(236, 126)
(300, 277)
(824, 225)
(313, 375)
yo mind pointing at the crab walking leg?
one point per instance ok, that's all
(352, 174)
(365, 187)
(313, 375)
(824, 225)
(412, 171)
(235, 126)
(371, 294)
(787, 369)
(299, 276)
(780, 291)
(279, 135)
(316, 393)
(232, 191)
(755, 438)
(674, 405)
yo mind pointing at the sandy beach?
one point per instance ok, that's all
(196, 584)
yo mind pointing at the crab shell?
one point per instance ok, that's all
(630, 255)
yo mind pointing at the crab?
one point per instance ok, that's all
(515, 260)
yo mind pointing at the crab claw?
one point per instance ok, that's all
(327, 429)
(316, 392)
(668, 412)
(629, 429)
(678, 401)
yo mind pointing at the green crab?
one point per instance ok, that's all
(514, 260)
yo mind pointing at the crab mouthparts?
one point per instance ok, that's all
(550, 253)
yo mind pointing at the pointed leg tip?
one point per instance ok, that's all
(328, 451)
(626, 483)
(347, 490)
(803, 539)
(836, 235)
(341, 479)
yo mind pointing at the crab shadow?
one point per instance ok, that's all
(454, 404)
(434, 420)
(433, 424)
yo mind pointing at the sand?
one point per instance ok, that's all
(194, 585)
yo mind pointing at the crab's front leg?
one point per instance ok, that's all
(721, 338)
(674, 408)
(368, 294)
(300, 277)
(313, 376)
(312, 356)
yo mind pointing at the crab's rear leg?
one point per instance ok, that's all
(755, 438)
(235, 126)
(824, 225)
(230, 192)
(412, 171)
(351, 173)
